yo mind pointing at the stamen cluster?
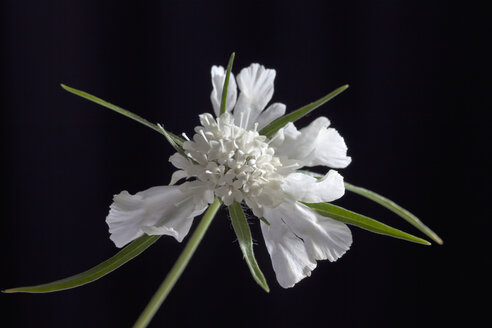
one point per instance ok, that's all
(236, 163)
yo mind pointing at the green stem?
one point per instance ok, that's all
(178, 268)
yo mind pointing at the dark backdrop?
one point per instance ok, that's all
(413, 120)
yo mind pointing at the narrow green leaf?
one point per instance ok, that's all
(113, 263)
(106, 104)
(279, 123)
(173, 143)
(343, 215)
(389, 204)
(123, 112)
(226, 84)
(243, 233)
(395, 208)
(178, 140)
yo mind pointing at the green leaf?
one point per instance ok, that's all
(123, 256)
(245, 240)
(178, 140)
(343, 215)
(121, 111)
(279, 123)
(226, 84)
(395, 208)
(173, 143)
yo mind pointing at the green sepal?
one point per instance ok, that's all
(126, 254)
(226, 84)
(280, 122)
(121, 111)
(343, 215)
(243, 233)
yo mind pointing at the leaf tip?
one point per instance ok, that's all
(67, 88)
(263, 284)
(437, 239)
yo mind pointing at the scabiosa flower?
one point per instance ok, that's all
(246, 154)
(229, 159)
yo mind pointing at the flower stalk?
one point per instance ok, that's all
(178, 268)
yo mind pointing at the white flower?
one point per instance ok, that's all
(228, 158)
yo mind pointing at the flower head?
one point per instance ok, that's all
(228, 158)
(245, 154)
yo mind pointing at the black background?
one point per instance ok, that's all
(413, 118)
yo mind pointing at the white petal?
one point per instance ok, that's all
(308, 189)
(315, 144)
(330, 150)
(297, 237)
(178, 175)
(270, 114)
(179, 161)
(218, 77)
(163, 210)
(256, 85)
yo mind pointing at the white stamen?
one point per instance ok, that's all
(241, 119)
(255, 127)
(247, 118)
(293, 165)
(203, 135)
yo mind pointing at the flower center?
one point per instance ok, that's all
(236, 163)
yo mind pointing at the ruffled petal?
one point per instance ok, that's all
(314, 145)
(297, 237)
(218, 77)
(270, 114)
(331, 150)
(308, 189)
(256, 85)
(163, 210)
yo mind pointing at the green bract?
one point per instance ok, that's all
(226, 84)
(395, 208)
(340, 214)
(111, 264)
(243, 233)
(279, 123)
